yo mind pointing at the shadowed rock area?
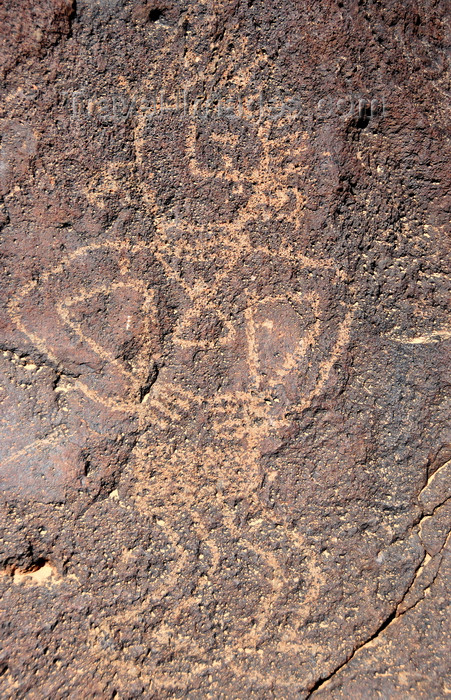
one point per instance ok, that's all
(225, 452)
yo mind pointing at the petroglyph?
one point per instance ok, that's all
(224, 433)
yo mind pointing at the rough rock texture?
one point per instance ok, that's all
(224, 440)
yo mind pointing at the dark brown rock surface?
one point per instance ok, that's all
(224, 334)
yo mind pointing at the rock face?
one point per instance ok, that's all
(224, 444)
